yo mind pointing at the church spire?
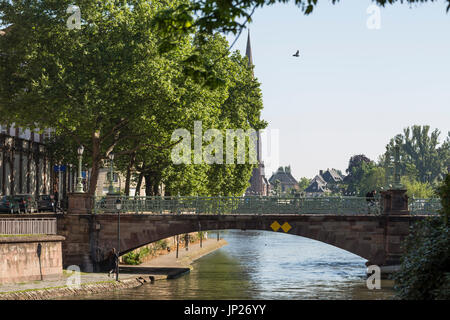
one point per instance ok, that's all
(248, 52)
(258, 182)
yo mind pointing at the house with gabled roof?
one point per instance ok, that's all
(331, 176)
(322, 182)
(286, 180)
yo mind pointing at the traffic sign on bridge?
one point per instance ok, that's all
(59, 168)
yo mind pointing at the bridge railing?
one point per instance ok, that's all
(238, 205)
(430, 206)
(21, 226)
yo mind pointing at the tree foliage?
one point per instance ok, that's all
(423, 158)
(424, 162)
(425, 267)
(109, 87)
(238, 106)
(231, 16)
(91, 84)
(444, 192)
(416, 189)
(363, 175)
(303, 183)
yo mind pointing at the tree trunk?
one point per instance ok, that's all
(128, 178)
(148, 185)
(152, 182)
(96, 158)
(156, 187)
(139, 184)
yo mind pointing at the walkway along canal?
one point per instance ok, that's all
(160, 268)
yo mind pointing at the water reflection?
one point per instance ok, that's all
(266, 265)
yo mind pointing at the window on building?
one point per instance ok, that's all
(115, 177)
(47, 134)
(24, 133)
(12, 131)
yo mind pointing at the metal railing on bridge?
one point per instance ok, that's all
(238, 205)
(21, 226)
(430, 206)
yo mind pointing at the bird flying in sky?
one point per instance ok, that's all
(297, 54)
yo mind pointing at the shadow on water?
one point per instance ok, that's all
(266, 265)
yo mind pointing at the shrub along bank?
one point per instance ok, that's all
(425, 268)
(157, 248)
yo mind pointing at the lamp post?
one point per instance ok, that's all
(111, 178)
(118, 207)
(397, 184)
(70, 185)
(79, 188)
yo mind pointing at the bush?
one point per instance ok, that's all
(425, 267)
(132, 258)
(136, 257)
(161, 244)
(444, 192)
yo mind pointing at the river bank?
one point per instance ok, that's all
(162, 267)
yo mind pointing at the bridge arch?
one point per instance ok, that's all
(364, 236)
(90, 237)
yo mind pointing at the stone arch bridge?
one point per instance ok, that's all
(375, 236)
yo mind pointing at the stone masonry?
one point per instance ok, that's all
(27, 258)
(89, 237)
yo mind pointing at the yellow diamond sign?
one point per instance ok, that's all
(275, 226)
(286, 227)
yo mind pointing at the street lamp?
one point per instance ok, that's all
(397, 183)
(79, 188)
(111, 178)
(70, 187)
(118, 207)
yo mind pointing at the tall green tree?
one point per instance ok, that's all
(373, 179)
(358, 168)
(235, 104)
(363, 175)
(423, 158)
(93, 83)
(109, 87)
(241, 109)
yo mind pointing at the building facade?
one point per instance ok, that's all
(283, 181)
(324, 182)
(24, 166)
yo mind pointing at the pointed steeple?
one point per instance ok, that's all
(258, 181)
(248, 52)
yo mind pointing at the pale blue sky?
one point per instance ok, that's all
(352, 88)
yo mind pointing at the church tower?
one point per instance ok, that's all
(258, 183)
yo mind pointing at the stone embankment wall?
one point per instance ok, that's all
(83, 289)
(28, 258)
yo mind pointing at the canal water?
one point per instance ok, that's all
(265, 265)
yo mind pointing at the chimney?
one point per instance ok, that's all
(321, 172)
